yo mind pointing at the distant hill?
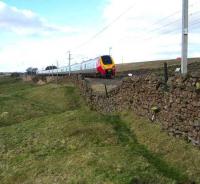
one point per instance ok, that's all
(152, 64)
(157, 67)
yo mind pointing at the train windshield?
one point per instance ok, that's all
(106, 60)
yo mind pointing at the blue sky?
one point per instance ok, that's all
(50, 20)
(79, 14)
(71, 12)
(37, 33)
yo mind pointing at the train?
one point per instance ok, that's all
(102, 66)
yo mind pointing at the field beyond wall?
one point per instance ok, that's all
(49, 135)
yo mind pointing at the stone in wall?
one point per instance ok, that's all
(179, 103)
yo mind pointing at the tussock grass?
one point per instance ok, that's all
(23, 101)
(175, 151)
(59, 140)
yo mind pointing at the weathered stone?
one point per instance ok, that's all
(198, 86)
(196, 123)
(179, 107)
(196, 103)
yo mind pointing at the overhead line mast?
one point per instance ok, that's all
(184, 37)
(69, 64)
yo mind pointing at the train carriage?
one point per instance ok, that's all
(102, 66)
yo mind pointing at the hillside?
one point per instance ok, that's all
(157, 66)
(49, 135)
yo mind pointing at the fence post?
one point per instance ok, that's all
(165, 72)
(106, 90)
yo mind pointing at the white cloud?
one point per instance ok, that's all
(147, 30)
(140, 34)
(45, 50)
(26, 22)
(39, 54)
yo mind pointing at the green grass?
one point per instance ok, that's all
(174, 150)
(24, 101)
(57, 139)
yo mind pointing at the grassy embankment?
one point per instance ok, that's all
(48, 135)
(155, 64)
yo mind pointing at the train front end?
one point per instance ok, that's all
(106, 66)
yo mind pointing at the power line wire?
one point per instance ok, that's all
(153, 30)
(168, 24)
(104, 28)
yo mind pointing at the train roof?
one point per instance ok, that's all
(94, 58)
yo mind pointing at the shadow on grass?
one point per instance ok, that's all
(73, 99)
(125, 136)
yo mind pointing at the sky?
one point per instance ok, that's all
(37, 33)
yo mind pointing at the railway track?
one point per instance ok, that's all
(99, 83)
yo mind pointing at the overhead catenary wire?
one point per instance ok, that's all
(195, 23)
(158, 29)
(165, 25)
(171, 23)
(104, 28)
(116, 19)
(167, 32)
(166, 18)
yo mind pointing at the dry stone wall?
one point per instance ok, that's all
(175, 105)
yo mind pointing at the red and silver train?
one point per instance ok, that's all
(102, 66)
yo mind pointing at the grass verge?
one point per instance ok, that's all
(59, 140)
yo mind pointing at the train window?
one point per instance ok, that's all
(106, 60)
